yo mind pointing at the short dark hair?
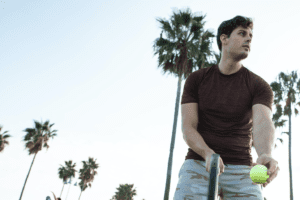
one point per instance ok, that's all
(58, 198)
(226, 27)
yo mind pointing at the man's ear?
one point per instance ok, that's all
(224, 37)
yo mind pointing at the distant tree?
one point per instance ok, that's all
(87, 174)
(285, 84)
(66, 173)
(125, 192)
(35, 138)
(186, 48)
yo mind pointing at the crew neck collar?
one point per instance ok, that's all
(218, 69)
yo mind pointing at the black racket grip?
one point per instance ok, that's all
(214, 178)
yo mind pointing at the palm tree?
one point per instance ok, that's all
(66, 172)
(125, 192)
(183, 51)
(34, 139)
(3, 139)
(87, 174)
(63, 174)
(71, 172)
(70, 182)
(285, 83)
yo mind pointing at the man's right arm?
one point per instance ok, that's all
(189, 118)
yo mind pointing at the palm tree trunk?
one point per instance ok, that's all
(62, 189)
(169, 171)
(290, 156)
(80, 195)
(27, 176)
(68, 190)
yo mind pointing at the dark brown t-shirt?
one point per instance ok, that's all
(225, 110)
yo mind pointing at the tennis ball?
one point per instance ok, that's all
(258, 174)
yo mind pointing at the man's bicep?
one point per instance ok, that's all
(189, 116)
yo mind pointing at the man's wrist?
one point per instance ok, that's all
(208, 152)
(266, 154)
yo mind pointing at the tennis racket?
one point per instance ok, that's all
(214, 178)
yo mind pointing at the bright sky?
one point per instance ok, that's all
(88, 67)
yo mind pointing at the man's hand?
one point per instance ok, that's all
(271, 164)
(208, 156)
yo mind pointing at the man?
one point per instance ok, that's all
(220, 105)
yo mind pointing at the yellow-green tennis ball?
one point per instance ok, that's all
(258, 174)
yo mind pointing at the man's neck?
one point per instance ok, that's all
(229, 67)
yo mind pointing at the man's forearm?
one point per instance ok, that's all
(264, 139)
(196, 142)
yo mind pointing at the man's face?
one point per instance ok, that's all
(238, 38)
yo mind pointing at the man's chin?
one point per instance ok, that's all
(244, 55)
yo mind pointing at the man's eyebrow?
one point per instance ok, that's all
(245, 31)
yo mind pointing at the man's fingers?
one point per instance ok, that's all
(270, 179)
(208, 168)
(273, 176)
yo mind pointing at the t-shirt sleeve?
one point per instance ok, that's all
(263, 93)
(190, 91)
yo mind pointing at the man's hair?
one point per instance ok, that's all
(58, 198)
(226, 27)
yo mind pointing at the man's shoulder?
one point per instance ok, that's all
(201, 71)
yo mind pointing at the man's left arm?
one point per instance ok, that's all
(264, 139)
(263, 130)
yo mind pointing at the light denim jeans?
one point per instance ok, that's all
(234, 183)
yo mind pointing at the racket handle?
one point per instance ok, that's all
(214, 178)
